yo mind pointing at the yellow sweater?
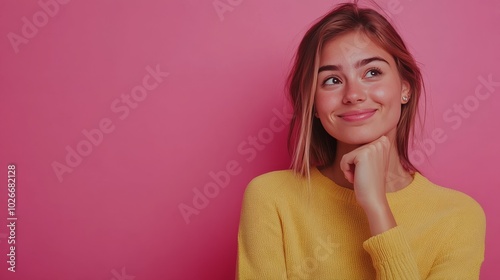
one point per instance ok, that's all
(440, 232)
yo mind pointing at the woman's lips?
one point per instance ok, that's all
(357, 115)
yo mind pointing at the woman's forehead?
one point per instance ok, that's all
(350, 48)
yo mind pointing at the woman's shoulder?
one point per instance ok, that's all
(277, 179)
(449, 198)
(278, 183)
(276, 175)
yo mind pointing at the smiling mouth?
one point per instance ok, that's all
(358, 115)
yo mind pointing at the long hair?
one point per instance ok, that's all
(308, 142)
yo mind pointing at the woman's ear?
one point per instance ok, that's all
(405, 92)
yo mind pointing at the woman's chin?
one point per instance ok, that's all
(360, 137)
(358, 141)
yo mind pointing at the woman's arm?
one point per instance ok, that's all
(459, 257)
(366, 168)
(462, 253)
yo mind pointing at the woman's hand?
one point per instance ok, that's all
(366, 168)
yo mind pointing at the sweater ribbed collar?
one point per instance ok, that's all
(345, 194)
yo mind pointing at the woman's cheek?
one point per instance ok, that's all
(384, 93)
(331, 96)
(322, 101)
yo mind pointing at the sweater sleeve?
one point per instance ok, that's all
(391, 256)
(260, 242)
(462, 255)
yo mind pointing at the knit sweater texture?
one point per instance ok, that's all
(288, 231)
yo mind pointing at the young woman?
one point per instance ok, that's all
(353, 206)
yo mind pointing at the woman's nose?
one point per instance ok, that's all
(353, 93)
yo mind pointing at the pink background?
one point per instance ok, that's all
(116, 214)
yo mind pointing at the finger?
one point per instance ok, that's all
(347, 166)
(350, 175)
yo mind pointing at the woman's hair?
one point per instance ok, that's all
(308, 142)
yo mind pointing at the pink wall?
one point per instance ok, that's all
(178, 96)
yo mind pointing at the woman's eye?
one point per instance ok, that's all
(373, 73)
(331, 81)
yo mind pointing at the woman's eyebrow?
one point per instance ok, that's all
(329, 68)
(358, 64)
(365, 61)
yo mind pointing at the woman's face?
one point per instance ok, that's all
(359, 92)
